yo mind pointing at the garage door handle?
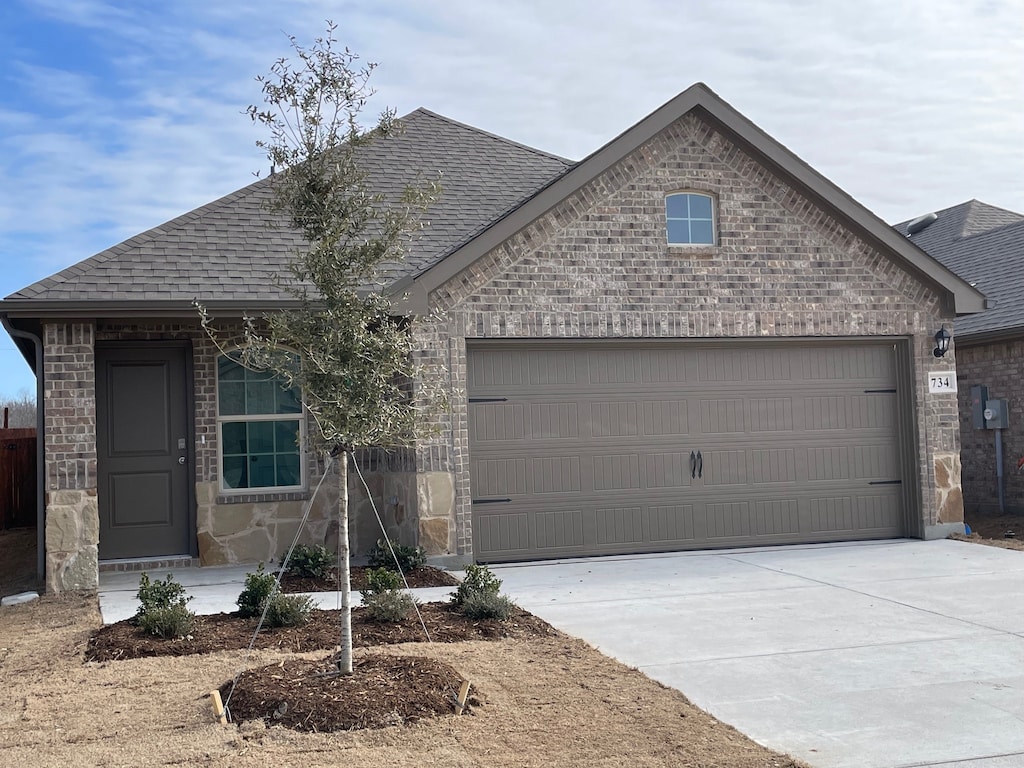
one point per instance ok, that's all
(700, 464)
(693, 465)
(490, 501)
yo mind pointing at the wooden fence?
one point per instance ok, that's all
(17, 478)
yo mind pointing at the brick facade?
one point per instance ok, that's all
(999, 366)
(597, 266)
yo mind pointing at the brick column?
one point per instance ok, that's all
(72, 513)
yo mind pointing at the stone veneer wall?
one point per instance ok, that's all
(69, 401)
(997, 365)
(597, 266)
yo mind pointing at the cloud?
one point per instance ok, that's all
(120, 115)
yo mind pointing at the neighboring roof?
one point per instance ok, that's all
(961, 297)
(984, 245)
(225, 251)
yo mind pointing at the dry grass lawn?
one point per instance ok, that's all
(548, 702)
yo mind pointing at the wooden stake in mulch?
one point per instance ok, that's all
(460, 702)
(218, 707)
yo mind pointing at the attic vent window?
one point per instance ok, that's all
(690, 219)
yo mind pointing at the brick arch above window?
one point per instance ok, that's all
(690, 218)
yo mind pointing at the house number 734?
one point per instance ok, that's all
(942, 381)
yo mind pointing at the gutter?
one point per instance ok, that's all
(40, 448)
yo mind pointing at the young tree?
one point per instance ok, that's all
(341, 347)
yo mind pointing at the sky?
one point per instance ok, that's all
(117, 115)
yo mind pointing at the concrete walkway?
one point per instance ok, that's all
(905, 653)
(881, 655)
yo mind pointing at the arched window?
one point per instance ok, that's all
(260, 426)
(690, 219)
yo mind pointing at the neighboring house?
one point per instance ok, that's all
(985, 246)
(688, 339)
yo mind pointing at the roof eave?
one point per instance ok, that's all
(961, 298)
(79, 309)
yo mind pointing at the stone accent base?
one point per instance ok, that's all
(72, 539)
(949, 497)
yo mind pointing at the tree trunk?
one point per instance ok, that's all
(344, 565)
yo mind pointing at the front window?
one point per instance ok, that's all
(260, 425)
(690, 219)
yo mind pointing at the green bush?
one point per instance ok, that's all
(409, 558)
(164, 608)
(154, 595)
(484, 605)
(383, 597)
(478, 581)
(314, 562)
(258, 588)
(382, 580)
(288, 610)
(170, 622)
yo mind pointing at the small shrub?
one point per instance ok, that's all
(409, 558)
(478, 581)
(164, 608)
(288, 610)
(484, 605)
(169, 623)
(382, 580)
(155, 595)
(383, 597)
(258, 588)
(313, 562)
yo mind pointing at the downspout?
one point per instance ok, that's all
(40, 448)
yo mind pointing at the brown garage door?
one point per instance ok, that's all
(581, 449)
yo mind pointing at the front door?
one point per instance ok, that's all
(142, 435)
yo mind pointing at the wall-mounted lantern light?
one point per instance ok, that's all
(942, 337)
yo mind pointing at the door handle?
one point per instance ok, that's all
(181, 459)
(693, 465)
(700, 464)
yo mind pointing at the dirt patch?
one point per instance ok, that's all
(426, 576)
(310, 695)
(543, 701)
(228, 631)
(992, 529)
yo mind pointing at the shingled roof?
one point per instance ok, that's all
(984, 245)
(226, 252)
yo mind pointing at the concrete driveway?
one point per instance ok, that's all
(900, 653)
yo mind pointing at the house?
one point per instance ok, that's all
(985, 246)
(689, 339)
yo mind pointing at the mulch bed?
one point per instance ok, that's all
(424, 576)
(228, 631)
(310, 696)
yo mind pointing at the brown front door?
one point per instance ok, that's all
(143, 459)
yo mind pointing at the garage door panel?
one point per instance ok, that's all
(556, 474)
(507, 533)
(776, 517)
(614, 419)
(849, 514)
(671, 523)
(666, 470)
(617, 472)
(799, 443)
(664, 418)
(559, 529)
(500, 477)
